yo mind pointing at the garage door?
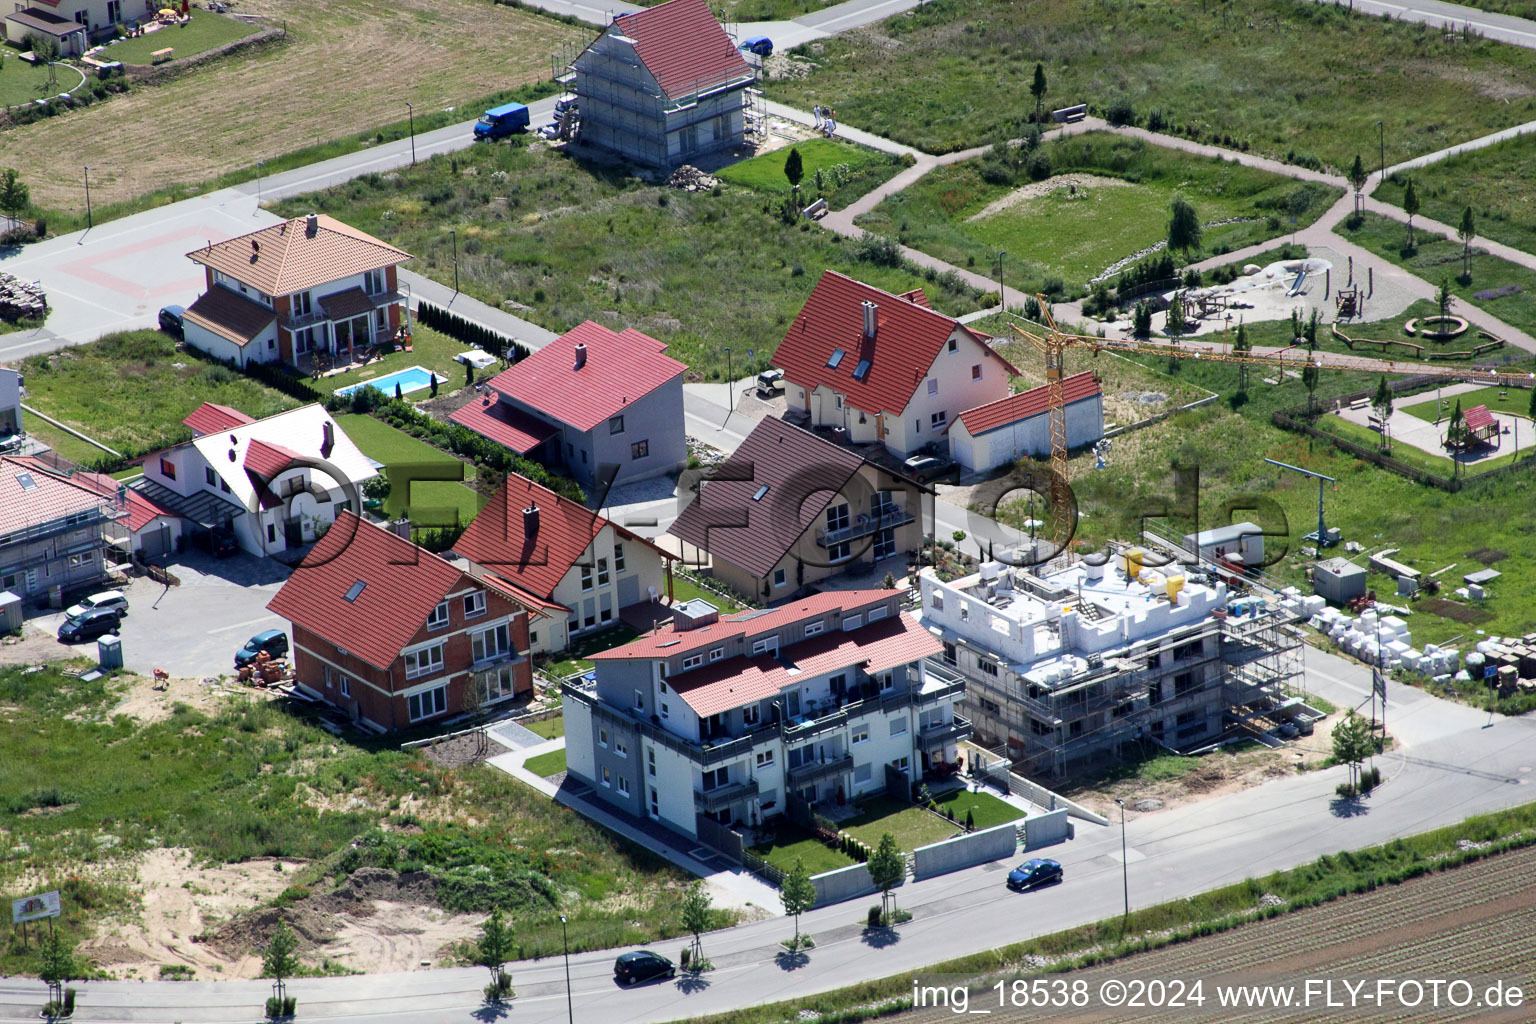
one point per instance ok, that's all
(156, 543)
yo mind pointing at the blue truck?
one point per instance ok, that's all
(507, 119)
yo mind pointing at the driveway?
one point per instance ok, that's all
(193, 630)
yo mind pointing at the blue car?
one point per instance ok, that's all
(760, 45)
(1034, 873)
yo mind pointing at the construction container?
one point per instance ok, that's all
(10, 612)
(109, 652)
(1131, 563)
(1175, 584)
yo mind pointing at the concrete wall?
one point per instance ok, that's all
(965, 851)
(1047, 829)
(10, 401)
(842, 884)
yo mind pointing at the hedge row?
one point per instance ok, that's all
(470, 333)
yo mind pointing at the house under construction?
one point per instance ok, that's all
(662, 85)
(1077, 663)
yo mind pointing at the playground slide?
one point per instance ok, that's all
(1296, 284)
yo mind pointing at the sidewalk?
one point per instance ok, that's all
(475, 311)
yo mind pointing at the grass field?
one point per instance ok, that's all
(1498, 400)
(790, 844)
(428, 502)
(1494, 181)
(684, 590)
(912, 826)
(21, 82)
(985, 809)
(760, 10)
(1438, 259)
(573, 659)
(549, 728)
(89, 387)
(545, 765)
(258, 105)
(848, 171)
(242, 778)
(543, 229)
(958, 212)
(206, 31)
(1315, 78)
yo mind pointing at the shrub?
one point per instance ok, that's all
(470, 333)
(1039, 166)
(874, 918)
(877, 249)
(1120, 112)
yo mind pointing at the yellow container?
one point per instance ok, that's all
(1133, 557)
(1175, 584)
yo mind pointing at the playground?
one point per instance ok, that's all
(1412, 422)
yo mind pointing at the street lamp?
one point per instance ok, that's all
(1125, 865)
(730, 383)
(569, 1011)
(412, 111)
(89, 222)
(455, 235)
(1381, 140)
(1002, 295)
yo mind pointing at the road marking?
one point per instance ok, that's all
(243, 625)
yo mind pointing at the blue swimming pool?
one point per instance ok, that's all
(413, 379)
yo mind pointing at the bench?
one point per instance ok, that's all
(816, 210)
(161, 56)
(1068, 115)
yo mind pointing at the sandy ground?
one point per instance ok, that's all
(1036, 189)
(35, 647)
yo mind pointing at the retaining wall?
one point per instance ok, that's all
(842, 884)
(965, 851)
(1047, 830)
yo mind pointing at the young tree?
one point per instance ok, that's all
(279, 960)
(694, 912)
(1309, 381)
(1381, 403)
(1531, 411)
(1352, 743)
(1358, 175)
(1141, 320)
(797, 894)
(1456, 429)
(794, 168)
(493, 951)
(1410, 207)
(1183, 226)
(1241, 346)
(1175, 324)
(1444, 299)
(1037, 88)
(887, 867)
(1309, 332)
(1466, 232)
(14, 194)
(56, 964)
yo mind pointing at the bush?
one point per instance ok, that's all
(874, 917)
(471, 333)
(1039, 166)
(1120, 112)
(877, 249)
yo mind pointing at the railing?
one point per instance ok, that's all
(841, 716)
(951, 689)
(709, 801)
(891, 515)
(957, 730)
(698, 753)
(806, 774)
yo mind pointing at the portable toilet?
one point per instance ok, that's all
(10, 612)
(109, 652)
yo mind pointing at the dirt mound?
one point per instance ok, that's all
(249, 935)
(691, 179)
(383, 884)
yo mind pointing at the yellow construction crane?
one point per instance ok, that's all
(1054, 342)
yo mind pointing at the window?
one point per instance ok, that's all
(620, 747)
(607, 777)
(533, 636)
(976, 372)
(812, 628)
(933, 385)
(210, 476)
(988, 668)
(1183, 683)
(877, 613)
(954, 345)
(427, 703)
(302, 305)
(639, 700)
(618, 557)
(623, 786)
(765, 759)
(887, 681)
(839, 401)
(224, 485)
(715, 779)
(862, 772)
(751, 715)
(439, 617)
(602, 572)
(835, 358)
(586, 577)
(420, 662)
(937, 420)
(917, 426)
(346, 687)
(114, 11)
(938, 600)
(717, 654)
(693, 661)
(616, 424)
(898, 726)
(80, 561)
(860, 735)
(474, 604)
(602, 738)
(666, 710)
(655, 804)
(949, 653)
(852, 622)
(1038, 728)
(650, 763)
(168, 469)
(271, 533)
(837, 517)
(767, 643)
(373, 281)
(497, 683)
(900, 764)
(779, 577)
(838, 552)
(640, 449)
(490, 643)
(662, 683)
(1155, 659)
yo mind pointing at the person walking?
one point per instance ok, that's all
(816, 113)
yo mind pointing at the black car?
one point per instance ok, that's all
(642, 965)
(90, 625)
(171, 321)
(1033, 873)
(924, 468)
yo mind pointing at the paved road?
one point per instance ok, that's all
(1502, 27)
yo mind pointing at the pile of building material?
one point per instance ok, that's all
(1293, 601)
(691, 179)
(1384, 640)
(20, 300)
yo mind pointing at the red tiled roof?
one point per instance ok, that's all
(908, 337)
(402, 584)
(230, 315)
(669, 641)
(496, 539)
(736, 681)
(620, 368)
(287, 257)
(683, 46)
(209, 418)
(1478, 417)
(1026, 404)
(504, 424)
(142, 511)
(42, 497)
(802, 473)
(267, 460)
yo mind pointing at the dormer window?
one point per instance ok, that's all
(439, 617)
(862, 370)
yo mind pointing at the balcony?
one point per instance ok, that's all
(702, 754)
(721, 797)
(807, 774)
(891, 515)
(951, 685)
(945, 734)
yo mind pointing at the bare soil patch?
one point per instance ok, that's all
(1034, 190)
(149, 701)
(347, 66)
(1488, 556)
(1454, 610)
(33, 647)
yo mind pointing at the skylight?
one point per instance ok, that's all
(26, 481)
(356, 590)
(862, 370)
(760, 492)
(837, 357)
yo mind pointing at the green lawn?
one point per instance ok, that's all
(1074, 235)
(429, 502)
(573, 659)
(1497, 399)
(791, 843)
(911, 825)
(93, 387)
(1496, 182)
(1438, 260)
(687, 590)
(545, 765)
(986, 810)
(206, 31)
(847, 171)
(549, 728)
(21, 82)
(1294, 81)
(545, 230)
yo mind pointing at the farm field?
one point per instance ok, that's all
(1315, 78)
(1494, 181)
(221, 117)
(1075, 206)
(557, 235)
(857, 168)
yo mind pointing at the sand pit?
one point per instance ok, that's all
(1035, 189)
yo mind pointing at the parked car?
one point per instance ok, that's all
(1034, 873)
(498, 122)
(564, 103)
(90, 625)
(760, 45)
(222, 542)
(114, 599)
(769, 382)
(924, 468)
(273, 641)
(171, 321)
(642, 965)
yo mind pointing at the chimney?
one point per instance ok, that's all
(327, 438)
(581, 354)
(531, 521)
(869, 319)
(311, 225)
(402, 527)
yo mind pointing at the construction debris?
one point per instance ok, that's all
(20, 300)
(692, 179)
